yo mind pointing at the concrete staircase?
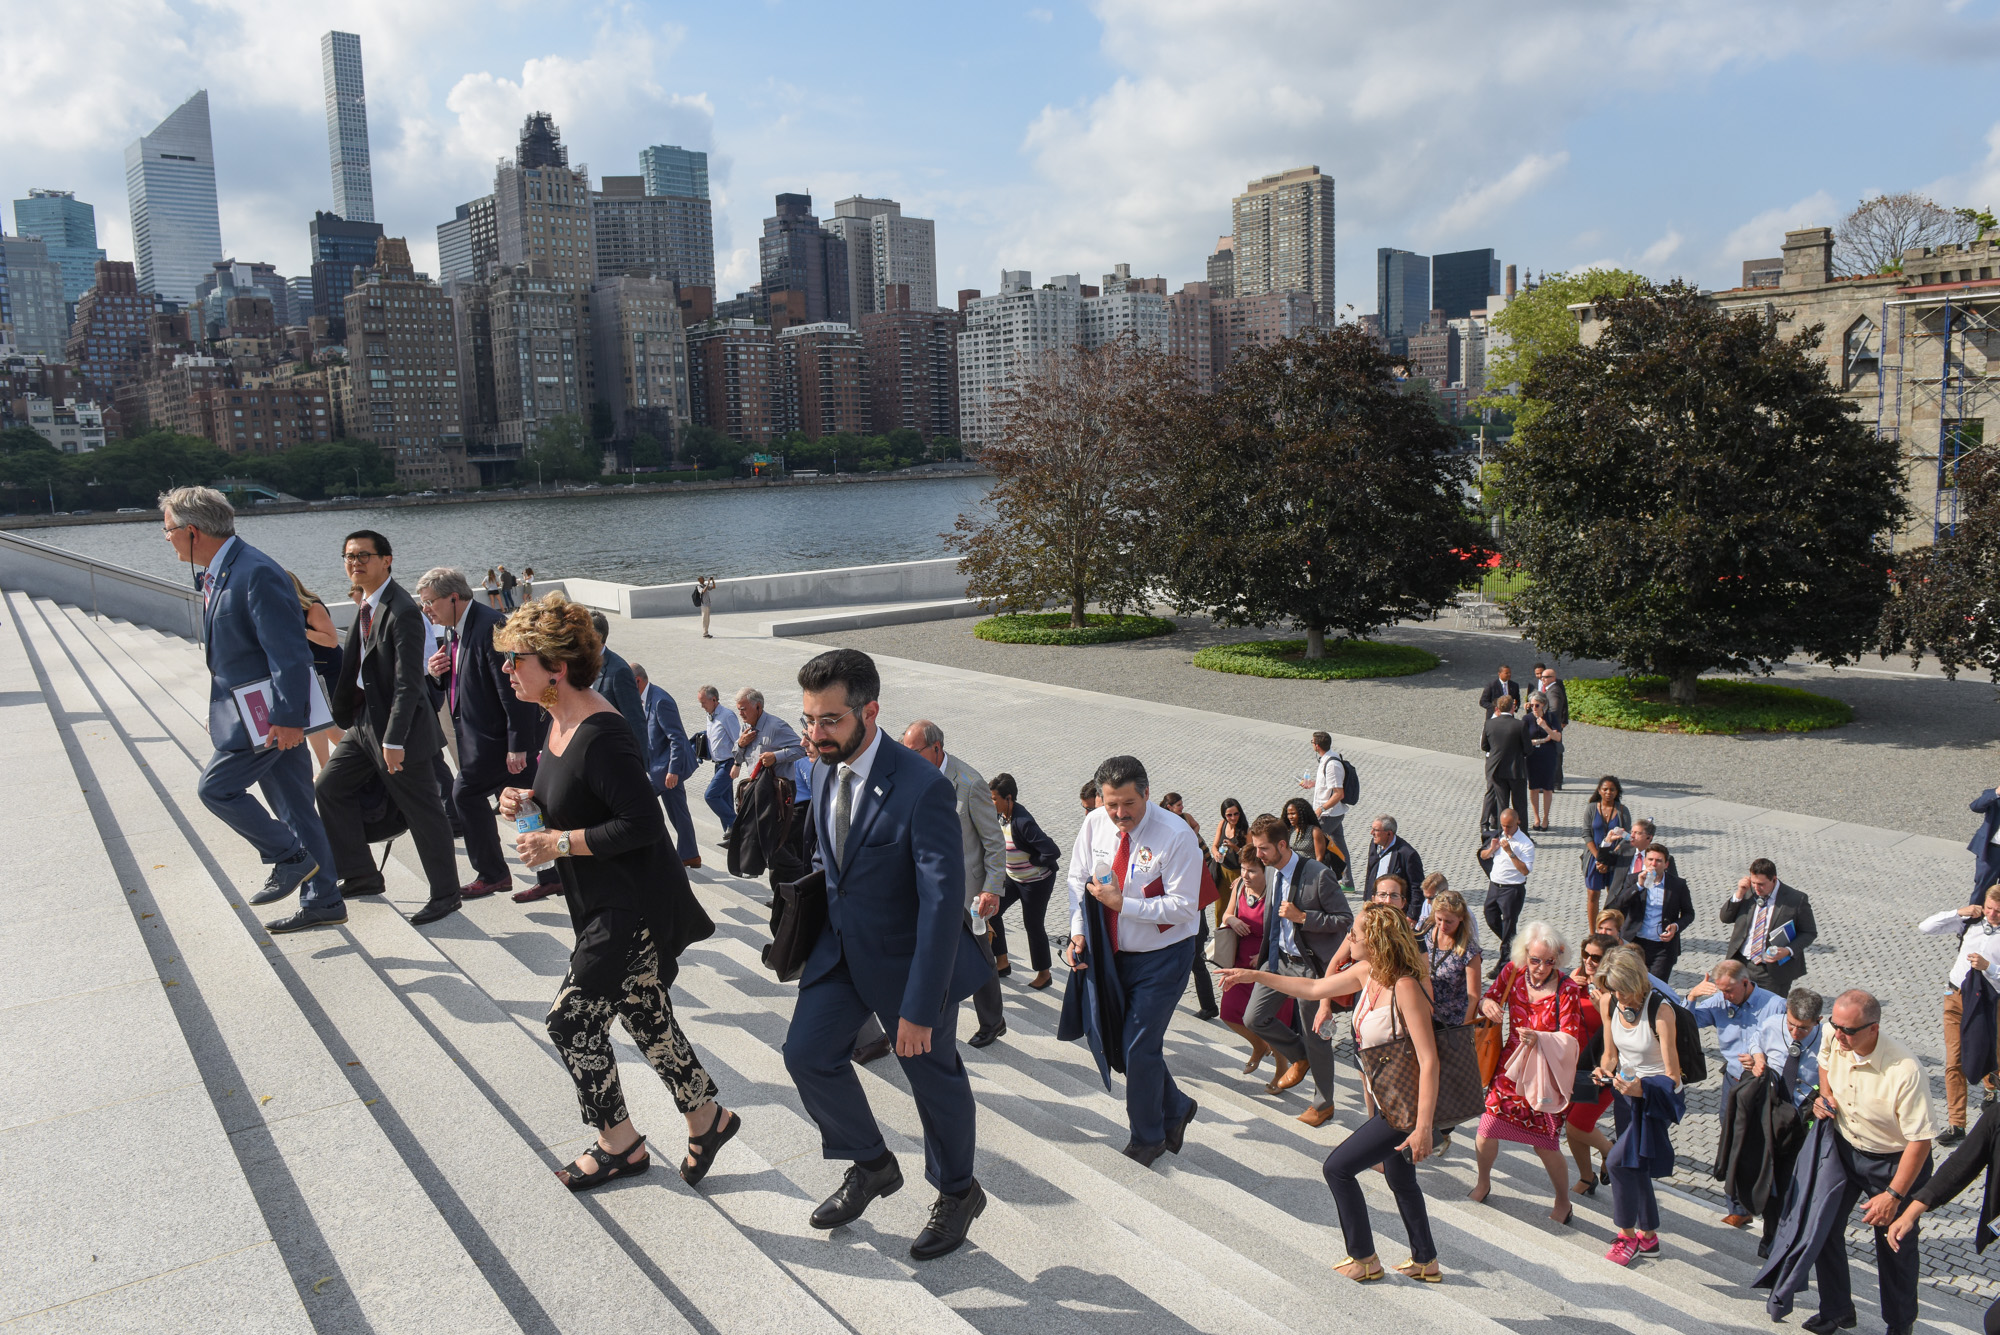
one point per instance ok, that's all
(353, 1129)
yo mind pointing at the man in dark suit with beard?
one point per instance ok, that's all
(384, 702)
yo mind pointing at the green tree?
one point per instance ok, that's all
(1694, 494)
(316, 471)
(1311, 489)
(1075, 473)
(30, 470)
(135, 471)
(1947, 595)
(647, 451)
(564, 452)
(705, 447)
(1538, 322)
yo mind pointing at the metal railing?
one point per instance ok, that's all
(44, 571)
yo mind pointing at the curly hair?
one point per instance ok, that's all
(559, 633)
(1393, 952)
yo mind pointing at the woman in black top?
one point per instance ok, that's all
(628, 896)
(1974, 1159)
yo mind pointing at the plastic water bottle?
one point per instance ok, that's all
(1101, 873)
(528, 820)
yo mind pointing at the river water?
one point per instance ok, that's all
(652, 538)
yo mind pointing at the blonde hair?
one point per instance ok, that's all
(1624, 974)
(1450, 901)
(1618, 928)
(306, 596)
(560, 633)
(1435, 884)
(1393, 952)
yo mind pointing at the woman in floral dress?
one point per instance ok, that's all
(1537, 997)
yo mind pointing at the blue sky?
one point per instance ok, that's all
(1678, 139)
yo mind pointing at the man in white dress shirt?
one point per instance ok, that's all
(1329, 798)
(1513, 856)
(1140, 866)
(1978, 948)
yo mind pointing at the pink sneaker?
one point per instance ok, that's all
(1650, 1246)
(1623, 1250)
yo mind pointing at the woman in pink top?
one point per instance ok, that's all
(1390, 973)
(1244, 915)
(1535, 996)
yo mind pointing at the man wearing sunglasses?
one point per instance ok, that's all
(393, 734)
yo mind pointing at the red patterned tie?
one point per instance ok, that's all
(1119, 862)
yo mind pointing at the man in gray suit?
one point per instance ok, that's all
(985, 861)
(1309, 920)
(1505, 743)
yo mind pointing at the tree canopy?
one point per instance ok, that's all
(1311, 489)
(1947, 602)
(1872, 238)
(1694, 494)
(1538, 322)
(563, 450)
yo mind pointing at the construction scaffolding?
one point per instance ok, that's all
(1941, 362)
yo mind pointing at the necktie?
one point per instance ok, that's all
(451, 646)
(367, 624)
(1793, 1055)
(1119, 862)
(1284, 923)
(1760, 932)
(843, 812)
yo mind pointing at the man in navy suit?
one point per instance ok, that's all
(897, 945)
(1985, 845)
(255, 629)
(498, 733)
(670, 760)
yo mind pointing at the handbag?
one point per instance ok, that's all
(1488, 1036)
(801, 919)
(1393, 1074)
(1223, 949)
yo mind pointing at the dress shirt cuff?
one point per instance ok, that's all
(1940, 923)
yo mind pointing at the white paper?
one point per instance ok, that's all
(255, 701)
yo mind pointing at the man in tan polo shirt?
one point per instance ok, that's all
(1874, 1091)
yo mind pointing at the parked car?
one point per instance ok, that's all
(133, 510)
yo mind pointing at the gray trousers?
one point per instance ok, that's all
(1260, 1017)
(1336, 834)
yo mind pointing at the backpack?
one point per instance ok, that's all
(697, 597)
(507, 580)
(1351, 784)
(1687, 1038)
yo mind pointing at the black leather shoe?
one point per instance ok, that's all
(985, 1037)
(1819, 1323)
(950, 1218)
(1143, 1155)
(1950, 1136)
(348, 890)
(857, 1189)
(286, 877)
(1208, 1013)
(873, 1051)
(437, 908)
(1176, 1130)
(301, 920)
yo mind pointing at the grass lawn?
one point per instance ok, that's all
(1499, 586)
(1639, 704)
(1054, 628)
(1346, 660)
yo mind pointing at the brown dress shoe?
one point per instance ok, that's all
(691, 862)
(1316, 1116)
(1735, 1220)
(1290, 1076)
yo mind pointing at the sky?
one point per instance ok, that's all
(1678, 139)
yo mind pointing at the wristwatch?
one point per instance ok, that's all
(562, 844)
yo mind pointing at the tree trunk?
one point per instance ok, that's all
(1315, 642)
(1681, 685)
(1076, 610)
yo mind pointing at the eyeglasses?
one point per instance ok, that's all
(1546, 961)
(1852, 1030)
(358, 558)
(170, 529)
(509, 657)
(1589, 958)
(823, 722)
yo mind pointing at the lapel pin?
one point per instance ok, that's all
(878, 792)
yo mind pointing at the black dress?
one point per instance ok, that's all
(1544, 760)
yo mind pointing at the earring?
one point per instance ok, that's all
(549, 697)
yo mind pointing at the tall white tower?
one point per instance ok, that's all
(170, 183)
(347, 126)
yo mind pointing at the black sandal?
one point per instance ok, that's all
(703, 1148)
(609, 1165)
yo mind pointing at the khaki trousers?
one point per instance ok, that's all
(1954, 1076)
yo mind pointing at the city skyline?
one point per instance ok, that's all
(1042, 144)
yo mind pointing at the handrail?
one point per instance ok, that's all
(94, 571)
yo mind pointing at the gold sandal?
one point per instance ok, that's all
(1421, 1273)
(1366, 1277)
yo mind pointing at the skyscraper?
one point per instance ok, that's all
(1222, 268)
(170, 182)
(912, 366)
(347, 126)
(469, 242)
(1283, 225)
(68, 227)
(1402, 294)
(674, 171)
(1007, 338)
(402, 350)
(670, 236)
(796, 255)
(1462, 281)
(34, 286)
(338, 247)
(884, 247)
(542, 208)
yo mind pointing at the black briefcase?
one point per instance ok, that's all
(801, 918)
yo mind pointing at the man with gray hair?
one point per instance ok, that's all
(765, 740)
(1742, 1015)
(1389, 854)
(985, 863)
(721, 732)
(253, 632)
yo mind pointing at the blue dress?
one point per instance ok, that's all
(1593, 879)
(1544, 765)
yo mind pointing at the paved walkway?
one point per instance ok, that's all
(1918, 750)
(1869, 885)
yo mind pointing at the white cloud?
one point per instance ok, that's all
(1662, 250)
(1761, 236)
(1479, 204)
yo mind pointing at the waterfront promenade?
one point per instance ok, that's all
(353, 1130)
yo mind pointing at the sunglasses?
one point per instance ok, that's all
(1589, 958)
(1545, 961)
(1853, 1030)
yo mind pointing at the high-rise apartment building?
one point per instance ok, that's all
(1434, 352)
(299, 299)
(229, 280)
(338, 248)
(1402, 294)
(347, 126)
(884, 247)
(1191, 332)
(170, 183)
(822, 381)
(1125, 307)
(470, 242)
(109, 341)
(671, 170)
(402, 354)
(539, 332)
(36, 308)
(639, 357)
(797, 255)
(479, 412)
(1283, 236)
(262, 419)
(1242, 323)
(667, 236)
(541, 207)
(732, 379)
(1008, 337)
(1462, 280)
(6, 304)
(68, 227)
(1222, 268)
(912, 366)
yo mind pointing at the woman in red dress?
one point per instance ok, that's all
(1581, 1118)
(1536, 997)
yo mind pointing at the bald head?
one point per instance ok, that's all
(927, 740)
